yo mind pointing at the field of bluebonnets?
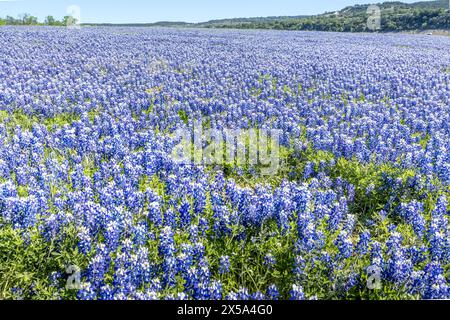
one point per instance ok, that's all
(358, 210)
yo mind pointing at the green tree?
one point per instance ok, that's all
(27, 19)
(69, 21)
(50, 21)
(11, 20)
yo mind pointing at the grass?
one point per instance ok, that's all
(26, 122)
(26, 265)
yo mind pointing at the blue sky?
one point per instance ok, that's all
(138, 11)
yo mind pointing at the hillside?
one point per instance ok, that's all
(396, 16)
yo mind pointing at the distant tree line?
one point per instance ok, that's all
(29, 20)
(396, 20)
(395, 16)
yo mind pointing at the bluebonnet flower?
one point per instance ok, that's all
(345, 245)
(231, 296)
(216, 289)
(107, 293)
(438, 232)
(140, 233)
(55, 277)
(155, 214)
(412, 213)
(272, 292)
(85, 240)
(198, 280)
(441, 207)
(309, 170)
(352, 281)
(203, 226)
(300, 265)
(199, 198)
(269, 260)
(364, 241)
(170, 219)
(224, 264)
(167, 252)
(185, 214)
(17, 293)
(98, 266)
(193, 233)
(86, 292)
(257, 296)
(112, 235)
(370, 188)
(417, 254)
(243, 294)
(399, 268)
(351, 192)
(436, 286)
(417, 283)
(297, 293)
(383, 214)
(376, 256)
(338, 212)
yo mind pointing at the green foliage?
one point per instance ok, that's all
(153, 183)
(22, 191)
(247, 258)
(25, 121)
(26, 19)
(397, 16)
(89, 167)
(27, 261)
(50, 21)
(61, 120)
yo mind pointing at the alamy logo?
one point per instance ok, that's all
(374, 19)
(74, 279)
(74, 17)
(240, 147)
(374, 278)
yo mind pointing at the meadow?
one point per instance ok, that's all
(93, 204)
